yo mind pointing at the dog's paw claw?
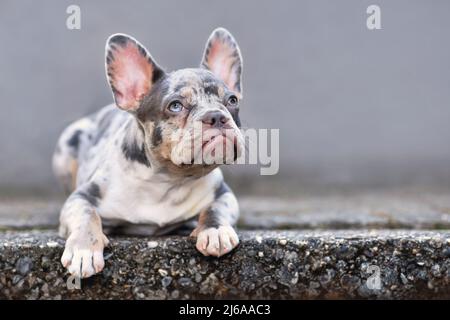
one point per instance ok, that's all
(81, 259)
(216, 241)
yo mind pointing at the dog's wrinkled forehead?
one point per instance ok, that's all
(200, 91)
(195, 84)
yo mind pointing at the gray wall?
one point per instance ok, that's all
(352, 105)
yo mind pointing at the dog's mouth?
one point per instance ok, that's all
(225, 143)
(214, 146)
(211, 148)
(213, 140)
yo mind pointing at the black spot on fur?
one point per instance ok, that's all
(213, 218)
(120, 40)
(157, 136)
(109, 59)
(208, 77)
(74, 140)
(142, 52)
(221, 189)
(158, 73)
(152, 105)
(103, 125)
(133, 152)
(91, 194)
(212, 90)
(235, 116)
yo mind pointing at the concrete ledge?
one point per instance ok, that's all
(383, 209)
(267, 264)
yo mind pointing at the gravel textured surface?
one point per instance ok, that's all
(267, 264)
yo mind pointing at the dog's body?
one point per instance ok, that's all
(133, 162)
(112, 173)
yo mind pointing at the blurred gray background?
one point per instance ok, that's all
(354, 107)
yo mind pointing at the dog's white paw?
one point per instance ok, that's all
(216, 241)
(83, 254)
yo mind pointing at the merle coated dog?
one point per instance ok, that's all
(133, 162)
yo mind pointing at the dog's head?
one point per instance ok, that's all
(190, 117)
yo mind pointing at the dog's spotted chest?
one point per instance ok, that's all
(158, 203)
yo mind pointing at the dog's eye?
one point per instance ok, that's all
(175, 106)
(232, 101)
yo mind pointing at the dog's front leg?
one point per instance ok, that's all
(81, 224)
(215, 233)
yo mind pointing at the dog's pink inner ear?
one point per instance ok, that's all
(130, 74)
(222, 57)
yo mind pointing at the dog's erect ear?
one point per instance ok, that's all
(223, 58)
(131, 71)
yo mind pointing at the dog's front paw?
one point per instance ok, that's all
(216, 241)
(83, 254)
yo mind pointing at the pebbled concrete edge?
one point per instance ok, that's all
(266, 265)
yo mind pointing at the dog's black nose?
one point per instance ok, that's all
(215, 119)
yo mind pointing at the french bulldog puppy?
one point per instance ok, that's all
(134, 161)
